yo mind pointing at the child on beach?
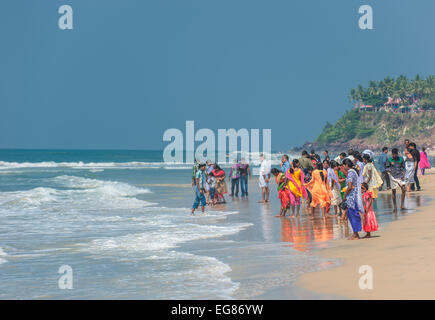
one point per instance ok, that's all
(212, 184)
(200, 180)
(283, 192)
(370, 223)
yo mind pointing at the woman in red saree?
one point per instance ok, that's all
(283, 192)
(221, 186)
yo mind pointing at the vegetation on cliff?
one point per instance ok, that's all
(407, 92)
(372, 128)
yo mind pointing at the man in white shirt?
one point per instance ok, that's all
(264, 178)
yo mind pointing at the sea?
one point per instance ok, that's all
(120, 222)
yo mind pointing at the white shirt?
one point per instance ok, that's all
(264, 168)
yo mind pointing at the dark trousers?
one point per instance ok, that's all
(386, 179)
(417, 182)
(235, 183)
(244, 185)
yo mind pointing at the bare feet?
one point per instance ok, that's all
(354, 237)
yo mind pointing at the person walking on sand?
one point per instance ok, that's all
(370, 223)
(416, 155)
(382, 161)
(371, 175)
(234, 177)
(200, 181)
(352, 198)
(283, 192)
(396, 172)
(409, 169)
(245, 173)
(263, 179)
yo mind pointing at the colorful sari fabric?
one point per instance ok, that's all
(320, 191)
(296, 186)
(342, 175)
(370, 223)
(376, 181)
(354, 198)
(221, 186)
(424, 161)
(283, 193)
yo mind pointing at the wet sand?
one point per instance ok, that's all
(401, 257)
(267, 258)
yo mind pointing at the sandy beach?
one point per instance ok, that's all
(401, 257)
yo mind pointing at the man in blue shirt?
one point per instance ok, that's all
(382, 167)
(285, 165)
(200, 188)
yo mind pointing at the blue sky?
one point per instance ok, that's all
(131, 69)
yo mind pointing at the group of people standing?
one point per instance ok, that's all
(349, 183)
(208, 180)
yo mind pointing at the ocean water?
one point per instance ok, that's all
(121, 220)
(115, 217)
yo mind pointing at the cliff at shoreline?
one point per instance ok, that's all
(374, 130)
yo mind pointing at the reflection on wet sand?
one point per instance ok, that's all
(307, 231)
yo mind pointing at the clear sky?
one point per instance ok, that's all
(130, 69)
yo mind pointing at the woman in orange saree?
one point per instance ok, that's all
(320, 190)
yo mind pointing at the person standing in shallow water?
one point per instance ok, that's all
(352, 198)
(234, 177)
(245, 173)
(382, 161)
(283, 192)
(396, 172)
(263, 178)
(200, 181)
(296, 186)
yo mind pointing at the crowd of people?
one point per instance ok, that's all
(345, 186)
(349, 183)
(208, 180)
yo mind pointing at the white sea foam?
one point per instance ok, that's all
(76, 193)
(165, 237)
(96, 166)
(2, 256)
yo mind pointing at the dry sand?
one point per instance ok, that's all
(402, 259)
